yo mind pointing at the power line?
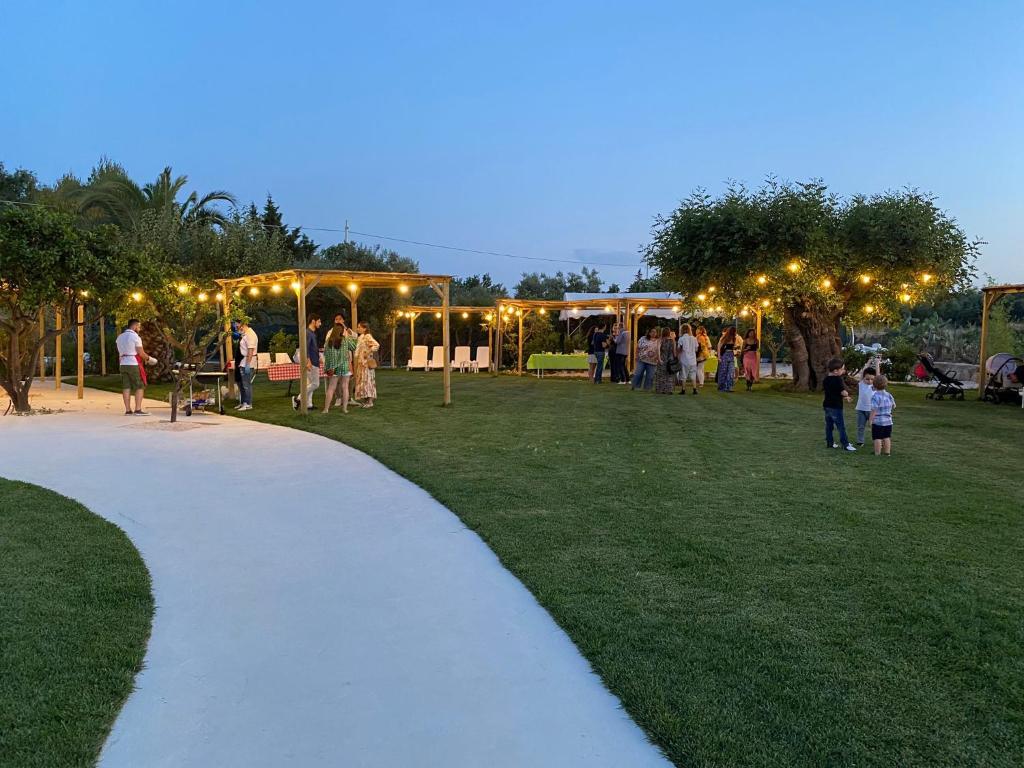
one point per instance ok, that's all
(421, 243)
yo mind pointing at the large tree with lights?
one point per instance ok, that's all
(811, 259)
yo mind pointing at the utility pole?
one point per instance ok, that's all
(346, 231)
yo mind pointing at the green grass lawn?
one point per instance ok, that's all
(752, 597)
(75, 610)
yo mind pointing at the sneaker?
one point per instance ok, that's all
(245, 407)
(860, 444)
(240, 407)
(695, 391)
(851, 447)
(129, 413)
(141, 413)
(835, 445)
(295, 402)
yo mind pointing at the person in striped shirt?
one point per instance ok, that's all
(882, 405)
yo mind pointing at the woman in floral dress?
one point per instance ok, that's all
(664, 378)
(366, 381)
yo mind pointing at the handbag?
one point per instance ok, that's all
(371, 363)
(672, 365)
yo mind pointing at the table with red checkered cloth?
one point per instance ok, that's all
(287, 371)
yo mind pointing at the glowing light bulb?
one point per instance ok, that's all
(488, 317)
(865, 279)
(793, 266)
(275, 288)
(640, 310)
(403, 289)
(353, 287)
(254, 291)
(926, 278)
(905, 298)
(826, 283)
(437, 315)
(711, 289)
(608, 308)
(219, 297)
(718, 309)
(744, 313)
(84, 294)
(869, 308)
(296, 285)
(701, 296)
(202, 297)
(766, 303)
(677, 308)
(136, 296)
(519, 313)
(543, 311)
(182, 288)
(761, 279)
(465, 315)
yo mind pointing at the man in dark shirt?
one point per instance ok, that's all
(600, 344)
(312, 362)
(835, 393)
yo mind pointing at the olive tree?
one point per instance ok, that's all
(809, 258)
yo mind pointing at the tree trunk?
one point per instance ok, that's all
(813, 340)
(774, 353)
(155, 344)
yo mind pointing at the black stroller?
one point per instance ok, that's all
(948, 385)
(999, 388)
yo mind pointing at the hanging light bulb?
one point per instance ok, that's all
(711, 289)
(677, 308)
(488, 317)
(219, 297)
(403, 289)
(296, 285)
(865, 279)
(926, 278)
(766, 303)
(201, 297)
(352, 287)
(275, 288)
(84, 294)
(762, 279)
(905, 298)
(254, 291)
(182, 288)
(869, 308)
(543, 311)
(465, 315)
(793, 266)
(826, 283)
(136, 296)
(744, 312)
(701, 296)
(608, 308)
(437, 315)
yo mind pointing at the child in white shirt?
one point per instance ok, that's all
(865, 390)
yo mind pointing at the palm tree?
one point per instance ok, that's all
(113, 197)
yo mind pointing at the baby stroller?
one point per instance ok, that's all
(999, 388)
(948, 384)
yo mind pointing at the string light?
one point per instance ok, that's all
(608, 308)
(84, 294)
(488, 317)
(718, 309)
(403, 289)
(676, 308)
(905, 298)
(701, 296)
(869, 308)
(793, 266)
(201, 297)
(296, 285)
(136, 296)
(275, 288)
(826, 283)
(254, 291)
(219, 297)
(519, 313)
(543, 311)
(744, 312)
(711, 289)
(865, 279)
(926, 278)
(182, 288)
(766, 303)
(761, 279)
(640, 310)
(437, 315)
(465, 315)
(352, 287)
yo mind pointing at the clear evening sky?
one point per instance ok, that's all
(554, 130)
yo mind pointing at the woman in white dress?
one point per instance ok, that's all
(365, 365)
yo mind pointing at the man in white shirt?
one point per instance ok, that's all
(129, 353)
(687, 358)
(247, 344)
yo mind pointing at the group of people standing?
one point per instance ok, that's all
(347, 354)
(665, 358)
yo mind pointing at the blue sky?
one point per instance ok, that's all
(551, 130)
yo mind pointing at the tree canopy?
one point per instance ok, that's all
(810, 258)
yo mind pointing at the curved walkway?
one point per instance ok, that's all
(293, 628)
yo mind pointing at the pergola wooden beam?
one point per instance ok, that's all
(990, 294)
(351, 283)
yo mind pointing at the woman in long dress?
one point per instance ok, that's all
(366, 376)
(727, 360)
(664, 379)
(703, 353)
(751, 359)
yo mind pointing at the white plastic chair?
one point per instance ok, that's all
(281, 358)
(483, 360)
(462, 359)
(262, 361)
(419, 358)
(437, 358)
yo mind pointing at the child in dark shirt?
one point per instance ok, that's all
(835, 393)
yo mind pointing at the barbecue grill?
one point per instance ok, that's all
(201, 373)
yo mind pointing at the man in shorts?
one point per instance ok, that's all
(130, 356)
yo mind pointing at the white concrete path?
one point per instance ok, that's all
(296, 628)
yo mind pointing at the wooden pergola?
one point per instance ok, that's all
(626, 311)
(990, 294)
(351, 284)
(412, 312)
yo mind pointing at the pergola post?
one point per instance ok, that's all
(103, 346)
(519, 366)
(58, 322)
(986, 304)
(394, 327)
(303, 356)
(354, 301)
(412, 332)
(80, 343)
(757, 327)
(42, 352)
(446, 340)
(496, 361)
(228, 351)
